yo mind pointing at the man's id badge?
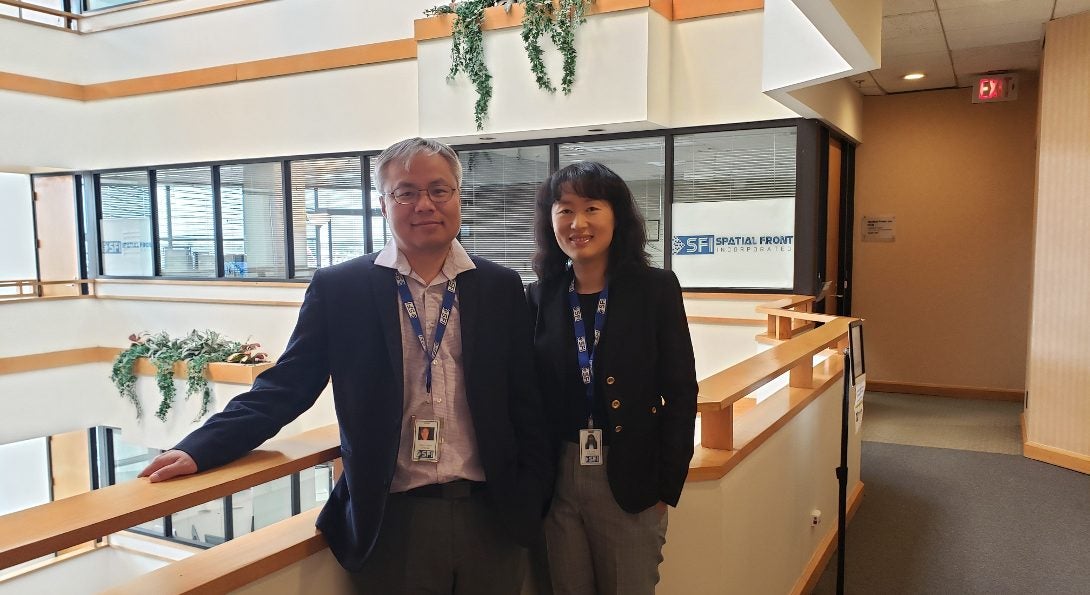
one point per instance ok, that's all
(590, 447)
(426, 440)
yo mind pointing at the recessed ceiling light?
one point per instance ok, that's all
(913, 76)
(596, 129)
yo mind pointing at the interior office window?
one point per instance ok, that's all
(327, 212)
(498, 187)
(124, 199)
(202, 525)
(734, 208)
(260, 506)
(380, 230)
(641, 163)
(315, 485)
(252, 199)
(89, 5)
(42, 17)
(26, 474)
(187, 236)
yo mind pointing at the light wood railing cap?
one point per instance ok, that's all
(48, 528)
(721, 390)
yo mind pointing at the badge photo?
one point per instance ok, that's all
(590, 447)
(426, 440)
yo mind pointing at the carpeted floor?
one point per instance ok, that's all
(964, 424)
(949, 520)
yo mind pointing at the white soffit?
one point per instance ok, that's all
(795, 53)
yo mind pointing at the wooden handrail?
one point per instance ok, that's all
(48, 528)
(235, 563)
(721, 390)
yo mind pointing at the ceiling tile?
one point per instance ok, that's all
(865, 83)
(975, 37)
(907, 25)
(892, 7)
(912, 33)
(1021, 57)
(968, 13)
(1066, 8)
(936, 65)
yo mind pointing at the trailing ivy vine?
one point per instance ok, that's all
(536, 23)
(572, 14)
(197, 349)
(467, 53)
(540, 19)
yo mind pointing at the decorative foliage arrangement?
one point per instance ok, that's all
(540, 19)
(197, 349)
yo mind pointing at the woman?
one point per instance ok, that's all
(618, 381)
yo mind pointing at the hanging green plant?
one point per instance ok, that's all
(536, 23)
(122, 375)
(467, 53)
(197, 349)
(572, 13)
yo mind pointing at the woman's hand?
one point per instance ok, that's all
(171, 463)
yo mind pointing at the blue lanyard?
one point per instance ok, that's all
(414, 319)
(586, 356)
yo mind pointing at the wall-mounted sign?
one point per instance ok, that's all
(998, 87)
(734, 243)
(879, 228)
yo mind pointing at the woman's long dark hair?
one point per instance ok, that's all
(589, 179)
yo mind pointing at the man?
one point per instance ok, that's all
(420, 335)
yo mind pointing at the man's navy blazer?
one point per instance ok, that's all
(349, 330)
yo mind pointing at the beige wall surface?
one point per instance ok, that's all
(947, 302)
(1058, 412)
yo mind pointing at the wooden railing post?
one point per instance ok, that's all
(717, 429)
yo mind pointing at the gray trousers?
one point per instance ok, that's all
(448, 546)
(593, 545)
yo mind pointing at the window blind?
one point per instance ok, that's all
(187, 241)
(252, 214)
(498, 188)
(327, 212)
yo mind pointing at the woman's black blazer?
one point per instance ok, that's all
(646, 373)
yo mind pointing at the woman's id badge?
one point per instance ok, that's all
(426, 440)
(590, 447)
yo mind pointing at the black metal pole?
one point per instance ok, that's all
(842, 476)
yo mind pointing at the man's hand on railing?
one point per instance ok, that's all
(171, 463)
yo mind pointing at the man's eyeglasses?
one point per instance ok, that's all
(409, 196)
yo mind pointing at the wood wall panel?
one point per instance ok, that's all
(1058, 412)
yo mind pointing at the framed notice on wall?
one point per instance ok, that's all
(734, 243)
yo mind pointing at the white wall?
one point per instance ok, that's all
(88, 573)
(56, 400)
(16, 229)
(26, 475)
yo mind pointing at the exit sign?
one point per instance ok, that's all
(995, 87)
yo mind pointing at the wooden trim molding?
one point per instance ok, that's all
(48, 528)
(691, 9)
(39, 86)
(202, 282)
(216, 372)
(56, 359)
(362, 55)
(42, 9)
(816, 567)
(956, 392)
(1056, 456)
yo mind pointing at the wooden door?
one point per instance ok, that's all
(56, 226)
